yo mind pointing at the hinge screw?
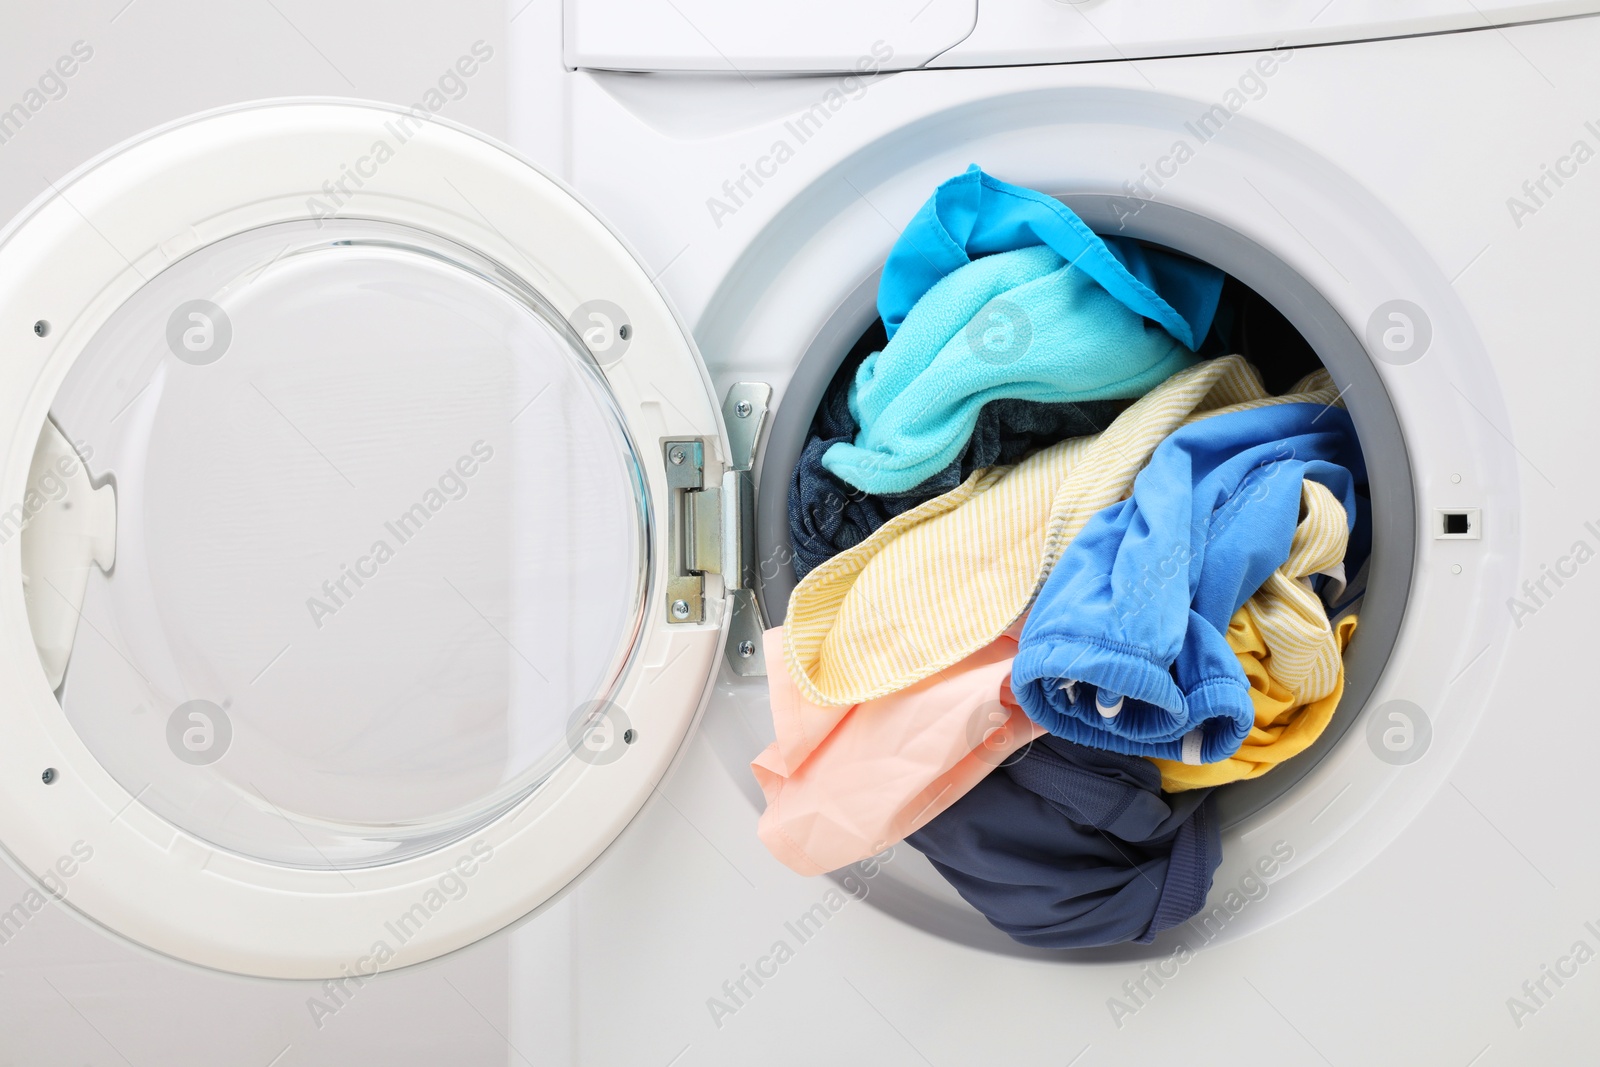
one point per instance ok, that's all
(743, 409)
(747, 649)
(680, 609)
(677, 456)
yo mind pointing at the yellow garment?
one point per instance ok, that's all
(937, 583)
(1290, 653)
(1284, 726)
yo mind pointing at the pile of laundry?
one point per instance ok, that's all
(1066, 567)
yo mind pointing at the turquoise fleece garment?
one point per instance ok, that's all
(974, 215)
(1023, 325)
(1133, 617)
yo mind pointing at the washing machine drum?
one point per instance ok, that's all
(350, 463)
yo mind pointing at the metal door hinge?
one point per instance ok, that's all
(712, 528)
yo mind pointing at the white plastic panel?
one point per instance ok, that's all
(1067, 31)
(738, 37)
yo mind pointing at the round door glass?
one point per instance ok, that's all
(359, 537)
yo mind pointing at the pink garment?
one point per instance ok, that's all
(843, 783)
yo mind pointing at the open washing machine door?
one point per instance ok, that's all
(372, 536)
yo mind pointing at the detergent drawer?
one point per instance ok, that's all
(827, 36)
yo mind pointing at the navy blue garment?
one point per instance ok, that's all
(827, 515)
(1074, 847)
(1125, 648)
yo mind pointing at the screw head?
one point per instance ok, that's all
(677, 457)
(41, 328)
(593, 729)
(743, 409)
(747, 649)
(680, 609)
(48, 776)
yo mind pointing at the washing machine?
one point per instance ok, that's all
(392, 515)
